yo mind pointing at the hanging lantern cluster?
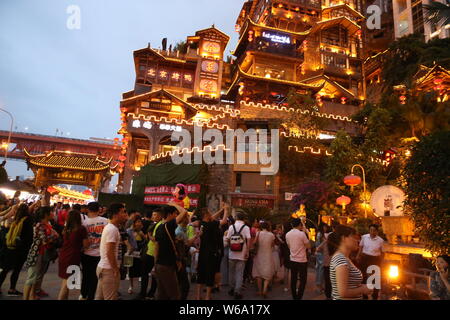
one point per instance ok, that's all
(403, 99)
(319, 100)
(251, 35)
(438, 84)
(241, 88)
(359, 34)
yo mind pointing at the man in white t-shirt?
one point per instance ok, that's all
(237, 259)
(108, 268)
(90, 258)
(370, 254)
(298, 243)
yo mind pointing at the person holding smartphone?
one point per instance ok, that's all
(440, 281)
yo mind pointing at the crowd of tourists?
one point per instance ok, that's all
(166, 252)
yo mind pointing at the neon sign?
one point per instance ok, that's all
(276, 38)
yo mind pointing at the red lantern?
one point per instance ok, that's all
(403, 99)
(343, 201)
(352, 180)
(87, 192)
(123, 109)
(250, 36)
(343, 100)
(122, 158)
(437, 81)
(121, 164)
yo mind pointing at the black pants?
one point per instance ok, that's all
(326, 277)
(148, 262)
(89, 272)
(183, 281)
(299, 271)
(367, 261)
(15, 263)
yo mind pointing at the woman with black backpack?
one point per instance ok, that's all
(17, 245)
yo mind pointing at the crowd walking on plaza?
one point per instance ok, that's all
(165, 252)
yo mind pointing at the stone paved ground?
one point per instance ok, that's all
(52, 285)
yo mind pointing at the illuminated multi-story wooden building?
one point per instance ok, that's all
(311, 47)
(167, 87)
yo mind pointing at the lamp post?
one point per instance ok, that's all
(352, 183)
(10, 131)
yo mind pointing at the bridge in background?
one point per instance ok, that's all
(40, 144)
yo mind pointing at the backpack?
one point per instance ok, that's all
(237, 240)
(13, 235)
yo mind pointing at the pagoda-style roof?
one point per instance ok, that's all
(68, 160)
(329, 86)
(427, 74)
(345, 6)
(164, 95)
(343, 21)
(314, 87)
(223, 35)
(157, 53)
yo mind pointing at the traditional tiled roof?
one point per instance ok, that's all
(344, 21)
(343, 5)
(68, 160)
(167, 94)
(324, 79)
(314, 87)
(425, 73)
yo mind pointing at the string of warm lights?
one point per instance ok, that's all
(286, 109)
(179, 122)
(318, 151)
(188, 151)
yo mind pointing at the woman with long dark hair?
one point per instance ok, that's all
(440, 279)
(18, 243)
(37, 260)
(346, 278)
(75, 239)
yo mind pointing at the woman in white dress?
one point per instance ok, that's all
(263, 264)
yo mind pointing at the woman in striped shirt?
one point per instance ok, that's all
(346, 278)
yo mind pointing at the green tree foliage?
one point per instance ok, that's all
(427, 190)
(405, 55)
(181, 46)
(344, 156)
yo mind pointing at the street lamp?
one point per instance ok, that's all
(353, 181)
(10, 131)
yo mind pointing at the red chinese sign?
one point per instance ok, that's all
(162, 200)
(162, 195)
(191, 188)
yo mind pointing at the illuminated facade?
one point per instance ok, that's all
(306, 46)
(409, 19)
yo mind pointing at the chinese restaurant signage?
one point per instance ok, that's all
(276, 38)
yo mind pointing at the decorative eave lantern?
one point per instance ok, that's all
(343, 201)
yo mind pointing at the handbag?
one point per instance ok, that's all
(177, 256)
(255, 246)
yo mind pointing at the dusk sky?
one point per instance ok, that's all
(52, 77)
